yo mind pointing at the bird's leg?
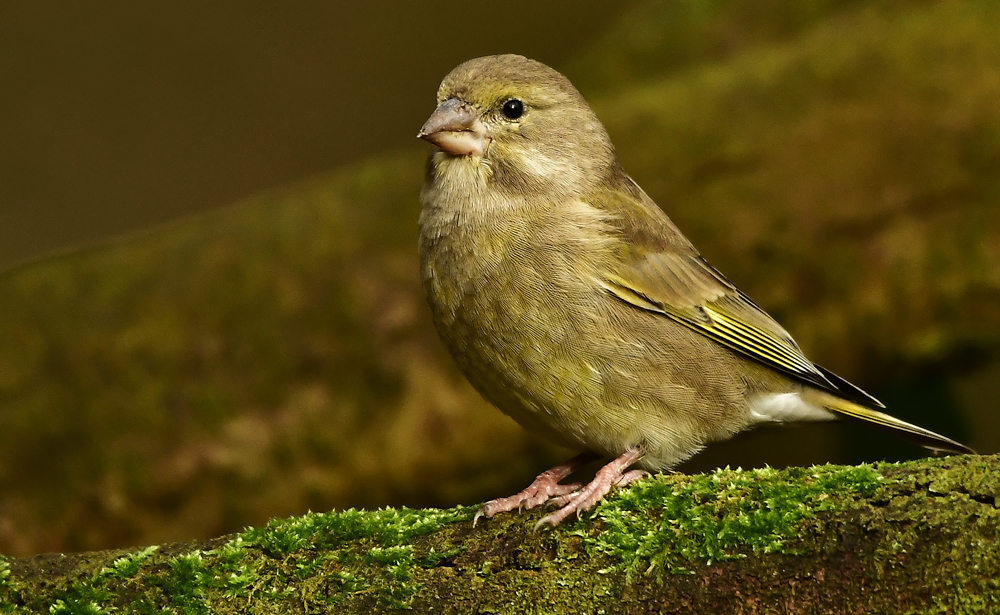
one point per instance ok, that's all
(545, 486)
(610, 475)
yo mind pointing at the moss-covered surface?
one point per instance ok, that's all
(722, 515)
(913, 537)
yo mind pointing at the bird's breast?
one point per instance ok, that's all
(515, 299)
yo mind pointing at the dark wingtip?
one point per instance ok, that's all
(848, 391)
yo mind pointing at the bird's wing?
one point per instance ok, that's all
(691, 292)
(669, 277)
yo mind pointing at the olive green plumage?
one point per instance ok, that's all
(572, 302)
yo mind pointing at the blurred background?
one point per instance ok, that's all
(210, 311)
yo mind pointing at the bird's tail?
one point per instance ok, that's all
(924, 437)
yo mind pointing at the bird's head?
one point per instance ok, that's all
(524, 122)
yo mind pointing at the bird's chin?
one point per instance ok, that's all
(459, 142)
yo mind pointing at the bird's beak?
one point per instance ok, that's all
(455, 128)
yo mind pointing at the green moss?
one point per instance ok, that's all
(5, 605)
(128, 565)
(371, 554)
(93, 594)
(388, 527)
(938, 511)
(672, 522)
(352, 553)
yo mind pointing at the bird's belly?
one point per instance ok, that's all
(525, 357)
(583, 368)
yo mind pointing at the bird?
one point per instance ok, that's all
(573, 303)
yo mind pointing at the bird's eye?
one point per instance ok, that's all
(513, 109)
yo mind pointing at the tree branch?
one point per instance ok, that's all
(920, 536)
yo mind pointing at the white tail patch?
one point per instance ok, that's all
(787, 407)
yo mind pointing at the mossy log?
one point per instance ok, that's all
(891, 538)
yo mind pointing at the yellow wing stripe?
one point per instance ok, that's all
(756, 336)
(766, 345)
(732, 333)
(741, 343)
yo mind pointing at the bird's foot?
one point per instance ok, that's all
(545, 486)
(623, 480)
(609, 476)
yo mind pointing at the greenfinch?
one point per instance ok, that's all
(573, 304)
